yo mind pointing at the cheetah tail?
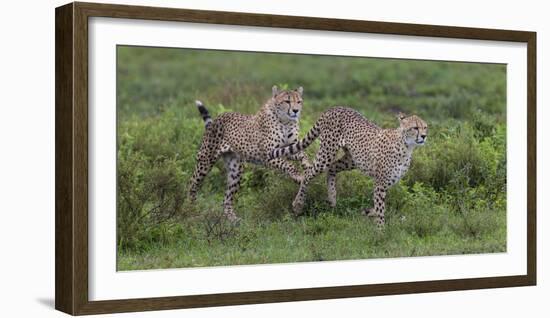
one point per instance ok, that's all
(204, 113)
(296, 147)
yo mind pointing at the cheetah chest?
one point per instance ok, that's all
(287, 134)
(400, 166)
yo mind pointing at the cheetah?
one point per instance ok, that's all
(240, 138)
(383, 154)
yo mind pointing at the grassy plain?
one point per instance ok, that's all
(452, 200)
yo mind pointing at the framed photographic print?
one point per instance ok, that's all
(218, 158)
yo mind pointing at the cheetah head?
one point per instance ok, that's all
(288, 103)
(414, 129)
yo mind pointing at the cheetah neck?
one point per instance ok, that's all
(265, 110)
(405, 150)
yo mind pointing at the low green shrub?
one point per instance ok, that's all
(453, 147)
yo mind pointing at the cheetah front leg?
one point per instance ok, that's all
(379, 206)
(343, 164)
(234, 170)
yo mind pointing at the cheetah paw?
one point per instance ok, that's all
(306, 165)
(297, 207)
(369, 212)
(232, 217)
(298, 179)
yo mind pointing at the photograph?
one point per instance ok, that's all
(240, 158)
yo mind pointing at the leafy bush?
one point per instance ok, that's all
(453, 148)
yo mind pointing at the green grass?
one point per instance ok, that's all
(452, 200)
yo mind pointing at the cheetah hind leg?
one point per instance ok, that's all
(205, 162)
(324, 159)
(343, 164)
(234, 170)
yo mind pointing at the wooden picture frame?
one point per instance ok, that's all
(71, 221)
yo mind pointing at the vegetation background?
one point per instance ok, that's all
(452, 200)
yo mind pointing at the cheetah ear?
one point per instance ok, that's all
(401, 116)
(275, 90)
(300, 90)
